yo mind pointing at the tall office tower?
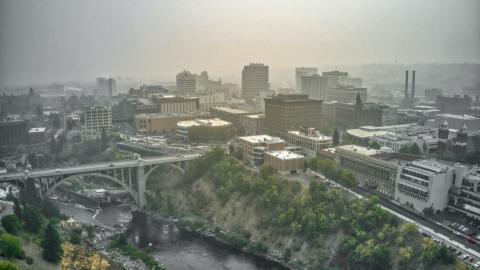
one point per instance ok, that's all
(187, 82)
(315, 86)
(303, 72)
(335, 77)
(112, 86)
(106, 87)
(289, 112)
(254, 80)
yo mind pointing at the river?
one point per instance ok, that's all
(176, 250)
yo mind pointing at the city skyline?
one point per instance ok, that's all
(49, 41)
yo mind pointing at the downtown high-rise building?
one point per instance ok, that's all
(254, 80)
(106, 87)
(303, 72)
(315, 86)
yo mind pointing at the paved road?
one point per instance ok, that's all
(95, 167)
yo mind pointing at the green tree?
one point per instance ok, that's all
(32, 219)
(11, 224)
(104, 139)
(266, 171)
(336, 137)
(7, 266)
(10, 247)
(415, 150)
(425, 147)
(17, 208)
(39, 111)
(51, 244)
(55, 118)
(374, 145)
(50, 209)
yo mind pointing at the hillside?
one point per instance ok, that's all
(319, 227)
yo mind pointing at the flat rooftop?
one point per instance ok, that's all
(215, 122)
(261, 138)
(359, 149)
(37, 130)
(230, 110)
(167, 115)
(317, 136)
(285, 154)
(255, 116)
(458, 116)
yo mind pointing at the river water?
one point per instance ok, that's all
(175, 250)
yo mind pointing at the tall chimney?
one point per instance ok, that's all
(413, 84)
(406, 84)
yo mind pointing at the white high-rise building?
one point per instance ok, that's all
(97, 119)
(254, 80)
(303, 72)
(315, 86)
(106, 87)
(187, 82)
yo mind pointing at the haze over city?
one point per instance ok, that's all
(240, 134)
(45, 41)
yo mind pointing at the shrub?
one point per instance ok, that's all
(29, 260)
(11, 224)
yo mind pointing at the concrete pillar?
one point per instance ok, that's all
(141, 180)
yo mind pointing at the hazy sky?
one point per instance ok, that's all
(46, 40)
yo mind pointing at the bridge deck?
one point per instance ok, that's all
(97, 167)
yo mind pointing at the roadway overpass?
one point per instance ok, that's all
(130, 174)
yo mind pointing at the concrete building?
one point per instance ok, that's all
(13, 132)
(162, 123)
(211, 100)
(432, 93)
(97, 119)
(373, 169)
(425, 183)
(464, 195)
(254, 124)
(176, 104)
(187, 82)
(204, 130)
(456, 121)
(255, 147)
(315, 86)
(284, 161)
(310, 140)
(254, 80)
(37, 135)
(106, 87)
(289, 112)
(229, 114)
(454, 105)
(303, 72)
(346, 93)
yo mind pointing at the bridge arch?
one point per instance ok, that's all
(172, 165)
(132, 192)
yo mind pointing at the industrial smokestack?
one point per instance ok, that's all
(406, 84)
(413, 84)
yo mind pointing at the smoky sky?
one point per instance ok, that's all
(46, 40)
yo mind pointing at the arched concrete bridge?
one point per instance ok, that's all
(130, 174)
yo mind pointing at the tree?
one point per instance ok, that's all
(32, 218)
(374, 145)
(10, 247)
(336, 137)
(3, 114)
(104, 139)
(51, 244)
(53, 145)
(39, 111)
(7, 266)
(30, 92)
(425, 147)
(11, 224)
(17, 209)
(50, 209)
(56, 121)
(415, 150)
